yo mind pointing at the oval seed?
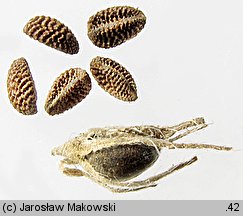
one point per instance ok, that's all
(123, 162)
(115, 25)
(70, 88)
(21, 88)
(114, 78)
(53, 33)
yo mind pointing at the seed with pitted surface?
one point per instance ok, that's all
(21, 88)
(114, 78)
(70, 88)
(115, 25)
(53, 33)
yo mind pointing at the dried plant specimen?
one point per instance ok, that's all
(70, 88)
(21, 88)
(113, 156)
(53, 33)
(114, 78)
(115, 25)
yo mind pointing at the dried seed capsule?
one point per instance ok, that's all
(21, 88)
(53, 33)
(70, 88)
(113, 26)
(113, 156)
(114, 78)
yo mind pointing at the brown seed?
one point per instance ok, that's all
(53, 33)
(115, 25)
(114, 78)
(125, 160)
(70, 88)
(21, 88)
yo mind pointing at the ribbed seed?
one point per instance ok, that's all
(21, 88)
(114, 78)
(70, 88)
(115, 25)
(53, 33)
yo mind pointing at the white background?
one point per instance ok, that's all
(187, 62)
